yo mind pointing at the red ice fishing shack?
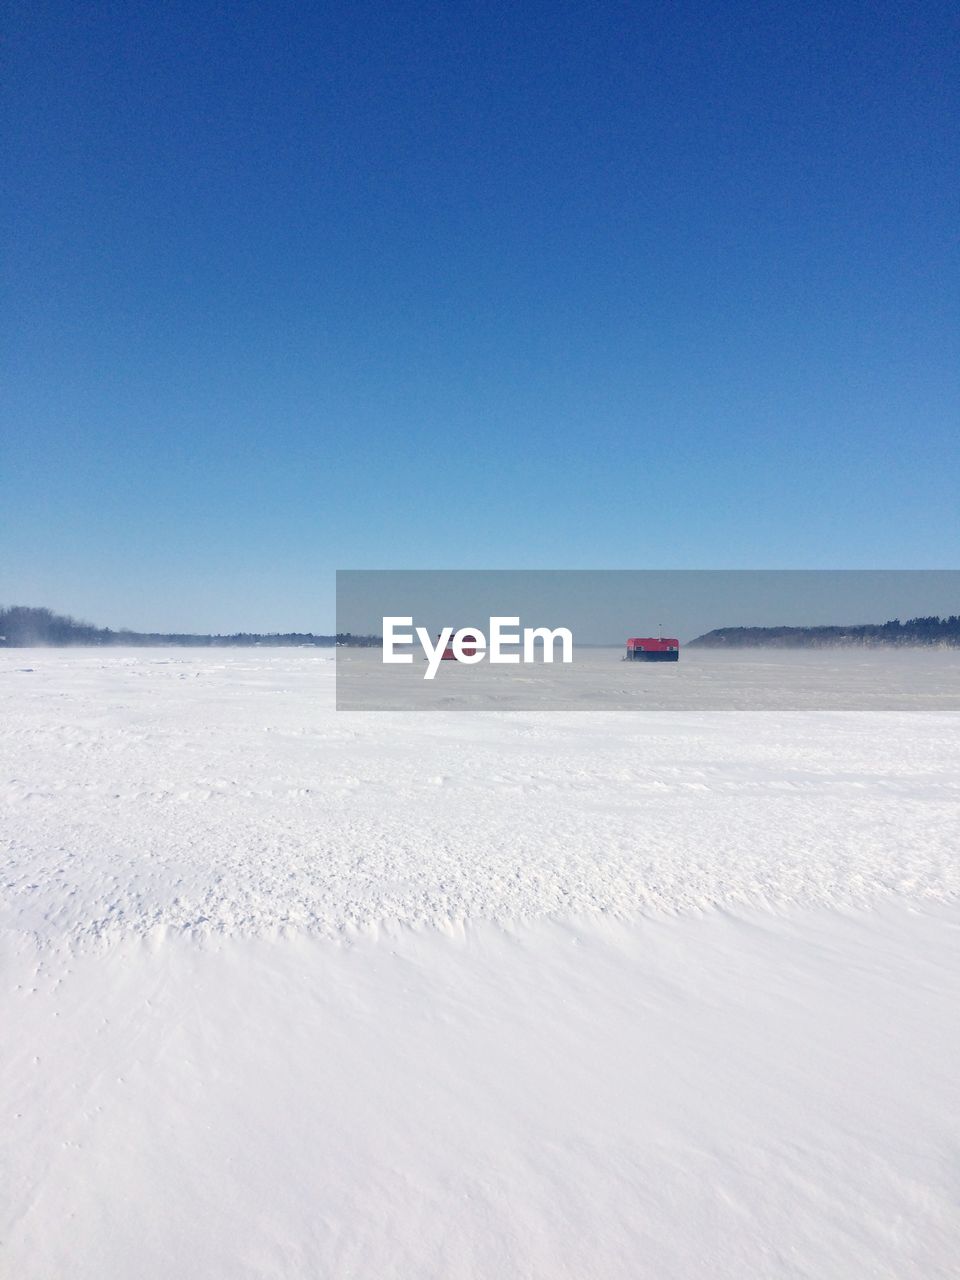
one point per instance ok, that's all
(653, 649)
(469, 650)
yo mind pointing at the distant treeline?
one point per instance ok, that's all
(21, 626)
(916, 631)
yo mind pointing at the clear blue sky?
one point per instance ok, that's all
(291, 287)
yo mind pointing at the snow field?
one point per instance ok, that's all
(289, 992)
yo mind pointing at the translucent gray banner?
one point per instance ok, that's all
(634, 640)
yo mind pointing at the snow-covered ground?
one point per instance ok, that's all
(290, 992)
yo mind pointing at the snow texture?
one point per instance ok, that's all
(295, 993)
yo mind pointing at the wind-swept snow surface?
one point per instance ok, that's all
(287, 992)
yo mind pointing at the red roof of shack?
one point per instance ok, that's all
(653, 644)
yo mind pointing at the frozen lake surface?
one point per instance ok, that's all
(666, 991)
(854, 679)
